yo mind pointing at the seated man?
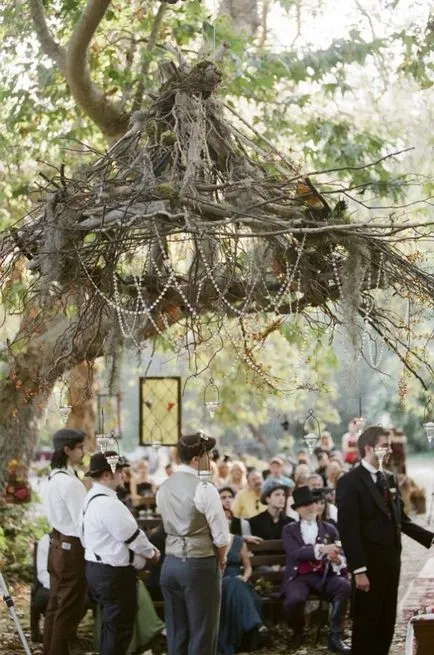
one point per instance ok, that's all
(276, 474)
(314, 563)
(269, 524)
(247, 502)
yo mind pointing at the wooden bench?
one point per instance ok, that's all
(267, 560)
(148, 523)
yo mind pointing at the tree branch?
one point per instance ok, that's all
(49, 46)
(158, 19)
(107, 116)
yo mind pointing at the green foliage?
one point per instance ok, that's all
(18, 531)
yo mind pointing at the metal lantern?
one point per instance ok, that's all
(429, 430)
(360, 424)
(204, 477)
(65, 411)
(428, 424)
(312, 437)
(103, 442)
(156, 441)
(381, 452)
(211, 397)
(112, 460)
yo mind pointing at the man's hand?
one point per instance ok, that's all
(250, 539)
(156, 557)
(362, 582)
(332, 551)
(334, 558)
(222, 562)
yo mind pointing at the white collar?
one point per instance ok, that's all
(372, 470)
(99, 488)
(306, 522)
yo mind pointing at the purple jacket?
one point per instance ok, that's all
(297, 551)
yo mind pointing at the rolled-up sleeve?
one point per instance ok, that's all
(207, 501)
(124, 528)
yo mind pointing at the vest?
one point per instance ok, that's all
(188, 533)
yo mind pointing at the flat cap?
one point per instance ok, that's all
(67, 437)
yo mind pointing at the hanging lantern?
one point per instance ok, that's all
(103, 442)
(429, 430)
(156, 441)
(113, 461)
(381, 452)
(65, 411)
(211, 397)
(428, 423)
(204, 477)
(360, 424)
(312, 424)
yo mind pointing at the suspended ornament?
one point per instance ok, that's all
(65, 411)
(311, 423)
(359, 424)
(428, 423)
(113, 461)
(103, 442)
(381, 452)
(211, 397)
(156, 437)
(205, 477)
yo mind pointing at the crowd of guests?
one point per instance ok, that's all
(222, 514)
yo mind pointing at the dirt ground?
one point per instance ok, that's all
(413, 559)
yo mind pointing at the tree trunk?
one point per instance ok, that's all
(41, 360)
(82, 398)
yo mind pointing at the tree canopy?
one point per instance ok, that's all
(180, 170)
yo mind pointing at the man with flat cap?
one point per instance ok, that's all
(63, 499)
(269, 524)
(196, 546)
(114, 548)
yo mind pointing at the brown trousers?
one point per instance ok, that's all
(66, 567)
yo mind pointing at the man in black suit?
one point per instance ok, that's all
(370, 521)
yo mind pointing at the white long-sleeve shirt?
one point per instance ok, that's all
(63, 499)
(109, 531)
(207, 501)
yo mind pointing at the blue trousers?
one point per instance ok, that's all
(192, 593)
(114, 589)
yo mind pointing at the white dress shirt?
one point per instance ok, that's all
(372, 470)
(63, 499)
(42, 561)
(207, 501)
(105, 527)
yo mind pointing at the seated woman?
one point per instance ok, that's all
(240, 618)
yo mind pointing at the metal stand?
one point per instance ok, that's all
(431, 508)
(11, 606)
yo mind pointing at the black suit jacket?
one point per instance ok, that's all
(367, 530)
(262, 525)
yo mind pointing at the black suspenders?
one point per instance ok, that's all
(126, 542)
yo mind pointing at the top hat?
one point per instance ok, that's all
(99, 463)
(303, 496)
(270, 487)
(67, 437)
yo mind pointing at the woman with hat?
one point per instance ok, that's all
(314, 563)
(270, 523)
(114, 548)
(196, 546)
(63, 499)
